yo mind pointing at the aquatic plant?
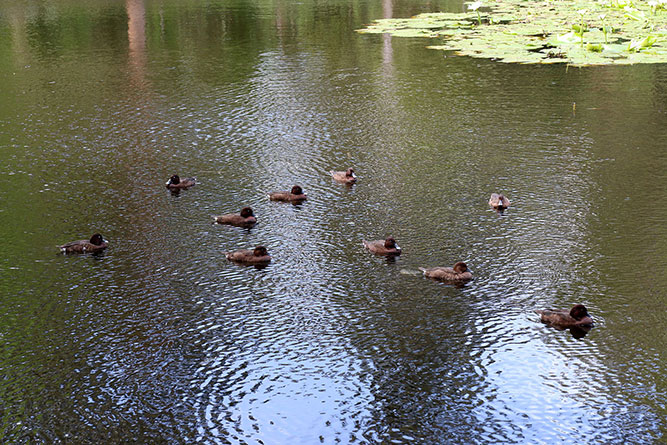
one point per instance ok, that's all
(618, 4)
(580, 29)
(605, 28)
(577, 32)
(475, 7)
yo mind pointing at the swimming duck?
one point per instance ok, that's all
(295, 195)
(499, 202)
(176, 183)
(246, 218)
(459, 273)
(259, 255)
(386, 246)
(95, 244)
(346, 177)
(563, 319)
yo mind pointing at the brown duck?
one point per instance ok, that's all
(458, 274)
(563, 318)
(499, 202)
(259, 255)
(387, 246)
(295, 195)
(95, 244)
(175, 182)
(246, 218)
(346, 177)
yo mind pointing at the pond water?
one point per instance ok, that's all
(160, 339)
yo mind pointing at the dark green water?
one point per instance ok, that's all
(160, 339)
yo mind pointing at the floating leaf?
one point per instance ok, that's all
(638, 45)
(570, 37)
(634, 14)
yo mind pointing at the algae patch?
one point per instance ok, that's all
(579, 32)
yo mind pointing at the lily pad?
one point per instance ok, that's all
(578, 32)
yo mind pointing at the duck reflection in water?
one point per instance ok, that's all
(580, 332)
(577, 319)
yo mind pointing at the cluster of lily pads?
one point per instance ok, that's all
(577, 32)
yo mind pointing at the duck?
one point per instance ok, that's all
(258, 255)
(295, 195)
(175, 182)
(499, 202)
(577, 317)
(246, 218)
(459, 273)
(346, 177)
(96, 243)
(387, 246)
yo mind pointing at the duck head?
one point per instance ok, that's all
(578, 312)
(460, 267)
(390, 243)
(296, 190)
(97, 239)
(174, 180)
(260, 251)
(246, 212)
(350, 173)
